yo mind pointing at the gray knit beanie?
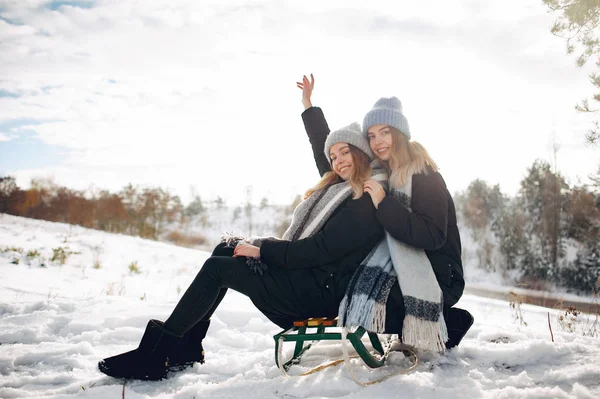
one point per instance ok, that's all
(387, 111)
(350, 134)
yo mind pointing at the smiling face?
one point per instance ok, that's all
(380, 141)
(342, 161)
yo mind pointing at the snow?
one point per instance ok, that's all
(57, 321)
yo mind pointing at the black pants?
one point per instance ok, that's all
(221, 271)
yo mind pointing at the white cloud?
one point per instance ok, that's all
(204, 91)
(4, 137)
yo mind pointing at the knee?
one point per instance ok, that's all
(222, 250)
(222, 270)
(211, 266)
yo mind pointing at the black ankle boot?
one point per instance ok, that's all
(189, 349)
(458, 322)
(150, 361)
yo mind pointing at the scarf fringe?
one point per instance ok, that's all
(428, 335)
(362, 311)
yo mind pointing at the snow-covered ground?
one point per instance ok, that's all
(57, 321)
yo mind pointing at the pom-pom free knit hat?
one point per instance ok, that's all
(387, 111)
(350, 134)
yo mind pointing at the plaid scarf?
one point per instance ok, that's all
(364, 303)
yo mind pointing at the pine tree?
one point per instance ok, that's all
(578, 23)
(195, 208)
(543, 198)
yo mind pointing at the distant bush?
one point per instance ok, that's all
(11, 249)
(186, 240)
(583, 274)
(61, 254)
(33, 254)
(134, 268)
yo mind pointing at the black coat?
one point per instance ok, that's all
(431, 225)
(320, 266)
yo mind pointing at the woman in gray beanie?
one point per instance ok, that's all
(303, 275)
(418, 210)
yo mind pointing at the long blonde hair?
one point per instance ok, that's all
(361, 172)
(407, 158)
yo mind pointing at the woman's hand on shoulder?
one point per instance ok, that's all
(247, 250)
(375, 190)
(307, 88)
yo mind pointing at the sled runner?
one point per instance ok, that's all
(304, 330)
(315, 330)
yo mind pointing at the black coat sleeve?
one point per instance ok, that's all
(425, 227)
(317, 130)
(347, 230)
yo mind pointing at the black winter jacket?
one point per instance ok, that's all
(431, 225)
(327, 259)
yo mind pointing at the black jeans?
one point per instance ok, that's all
(219, 273)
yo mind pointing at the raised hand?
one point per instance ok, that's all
(307, 89)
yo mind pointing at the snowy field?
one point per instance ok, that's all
(57, 321)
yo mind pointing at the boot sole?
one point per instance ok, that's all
(183, 365)
(111, 373)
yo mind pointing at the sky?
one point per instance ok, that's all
(201, 97)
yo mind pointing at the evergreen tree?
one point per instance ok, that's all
(509, 228)
(219, 203)
(578, 23)
(482, 204)
(543, 198)
(195, 208)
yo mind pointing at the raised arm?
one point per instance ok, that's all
(315, 125)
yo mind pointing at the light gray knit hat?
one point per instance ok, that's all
(350, 134)
(387, 111)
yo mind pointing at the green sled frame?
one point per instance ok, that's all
(299, 335)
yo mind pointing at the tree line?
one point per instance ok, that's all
(147, 212)
(548, 234)
(143, 212)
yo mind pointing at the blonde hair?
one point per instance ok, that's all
(407, 158)
(361, 172)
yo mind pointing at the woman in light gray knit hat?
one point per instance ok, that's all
(349, 157)
(417, 212)
(304, 274)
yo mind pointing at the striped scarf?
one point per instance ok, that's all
(309, 217)
(364, 303)
(311, 214)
